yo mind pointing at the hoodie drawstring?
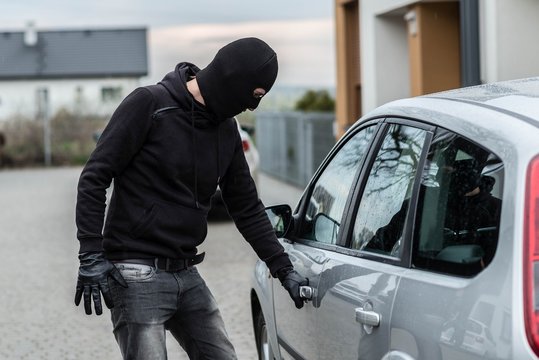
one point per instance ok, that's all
(195, 151)
(219, 154)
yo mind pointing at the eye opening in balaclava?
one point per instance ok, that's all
(227, 84)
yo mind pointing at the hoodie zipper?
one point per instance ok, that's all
(170, 108)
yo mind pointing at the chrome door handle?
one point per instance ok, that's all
(306, 292)
(367, 317)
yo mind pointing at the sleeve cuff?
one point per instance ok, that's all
(278, 263)
(91, 244)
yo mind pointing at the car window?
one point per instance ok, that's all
(384, 204)
(459, 207)
(329, 193)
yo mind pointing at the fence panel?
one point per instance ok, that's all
(293, 144)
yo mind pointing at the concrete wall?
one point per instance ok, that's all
(385, 73)
(82, 96)
(508, 36)
(508, 50)
(393, 68)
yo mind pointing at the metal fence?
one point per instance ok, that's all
(293, 144)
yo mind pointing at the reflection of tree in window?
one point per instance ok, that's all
(333, 186)
(389, 185)
(397, 158)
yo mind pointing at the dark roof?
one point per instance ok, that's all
(74, 54)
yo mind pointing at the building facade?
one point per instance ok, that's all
(391, 49)
(81, 71)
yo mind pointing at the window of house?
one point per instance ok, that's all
(111, 94)
(385, 201)
(459, 206)
(331, 190)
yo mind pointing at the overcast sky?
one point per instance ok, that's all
(301, 31)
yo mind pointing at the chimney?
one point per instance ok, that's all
(30, 34)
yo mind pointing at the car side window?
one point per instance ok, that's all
(330, 192)
(459, 207)
(384, 204)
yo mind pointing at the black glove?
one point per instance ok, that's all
(94, 271)
(291, 281)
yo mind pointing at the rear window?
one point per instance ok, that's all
(458, 213)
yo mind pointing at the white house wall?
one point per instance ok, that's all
(509, 30)
(508, 50)
(76, 95)
(385, 73)
(393, 65)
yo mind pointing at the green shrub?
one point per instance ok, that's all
(314, 100)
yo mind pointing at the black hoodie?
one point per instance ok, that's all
(167, 155)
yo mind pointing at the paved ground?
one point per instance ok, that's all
(38, 319)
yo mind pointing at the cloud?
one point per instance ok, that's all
(305, 48)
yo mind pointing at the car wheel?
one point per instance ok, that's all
(262, 341)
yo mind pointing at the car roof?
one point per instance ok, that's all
(519, 97)
(484, 113)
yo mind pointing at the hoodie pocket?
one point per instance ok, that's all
(166, 222)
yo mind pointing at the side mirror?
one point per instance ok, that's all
(325, 229)
(280, 217)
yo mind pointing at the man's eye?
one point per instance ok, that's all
(258, 94)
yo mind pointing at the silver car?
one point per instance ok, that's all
(419, 235)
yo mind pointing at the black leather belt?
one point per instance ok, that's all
(166, 264)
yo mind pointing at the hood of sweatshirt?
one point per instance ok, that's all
(176, 84)
(229, 82)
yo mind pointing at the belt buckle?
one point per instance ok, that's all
(176, 264)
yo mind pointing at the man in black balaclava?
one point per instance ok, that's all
(228, 82)
(168, 147)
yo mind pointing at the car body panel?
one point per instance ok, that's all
(429, 315)
(510, 140)
(346, 286)
(297, 329)
(262, 299)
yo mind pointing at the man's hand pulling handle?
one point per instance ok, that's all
(291, 281)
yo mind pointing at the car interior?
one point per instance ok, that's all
(458, 215)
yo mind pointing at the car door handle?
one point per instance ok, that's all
(367, 317)
(306, 292)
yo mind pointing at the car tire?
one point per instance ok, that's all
(263, 345)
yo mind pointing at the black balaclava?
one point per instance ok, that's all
(228, 82)
(466, 177)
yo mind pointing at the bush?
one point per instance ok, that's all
(316, 101)
(71, 139)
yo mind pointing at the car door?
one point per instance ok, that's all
(315, 235)
(450, 302)
(358, 284)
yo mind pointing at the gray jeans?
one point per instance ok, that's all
(156, 301)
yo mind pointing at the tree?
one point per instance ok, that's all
(314, 100)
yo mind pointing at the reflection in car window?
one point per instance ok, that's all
(329, 194)
(459, 207)
(384, 205)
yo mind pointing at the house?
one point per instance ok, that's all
(83, 71)
(391, 49)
